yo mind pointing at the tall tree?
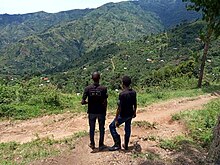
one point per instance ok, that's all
(210, 10)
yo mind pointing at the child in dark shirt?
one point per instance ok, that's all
(127, 106)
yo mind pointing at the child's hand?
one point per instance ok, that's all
(83, 102)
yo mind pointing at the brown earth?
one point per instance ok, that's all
(64, 125)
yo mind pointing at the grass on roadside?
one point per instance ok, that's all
(15, 153)
(200, 126)
(201, 123)
(175, 143)
(48, 100)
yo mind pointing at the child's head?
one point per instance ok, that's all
(126, 81)
(95, 76)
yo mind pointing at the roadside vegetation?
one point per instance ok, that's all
(200, 124)
(14, 153)
(20, 100)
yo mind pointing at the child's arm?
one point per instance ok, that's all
(135, 106)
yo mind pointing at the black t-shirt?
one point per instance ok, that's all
(97, 98)
(127, 102)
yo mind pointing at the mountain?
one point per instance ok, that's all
(171, 12)
(74, 34)
(15, 27)
(57, 46)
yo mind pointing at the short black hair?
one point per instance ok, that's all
(126, 80)
(95, 76)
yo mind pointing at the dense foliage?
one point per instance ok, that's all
(58, 62)
(169, 60)
(52, 57)
(32, 44)
(169, 11)
(27, 99)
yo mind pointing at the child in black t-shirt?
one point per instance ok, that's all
(127, 106)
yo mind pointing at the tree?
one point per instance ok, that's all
(210, 10)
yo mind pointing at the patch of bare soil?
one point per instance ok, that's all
(63, 125)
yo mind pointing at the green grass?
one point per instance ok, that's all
(151, 96)
(168, 144)
(175, 143)
(15, 153)
(200, 125)
(29, 102)
(176, 116)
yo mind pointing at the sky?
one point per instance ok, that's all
(50, 6)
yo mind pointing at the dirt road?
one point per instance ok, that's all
(63, 125)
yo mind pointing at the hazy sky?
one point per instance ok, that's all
(51, 6)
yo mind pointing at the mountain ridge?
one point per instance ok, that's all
(63, 42)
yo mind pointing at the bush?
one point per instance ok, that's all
(6, 111)
(52, 99)
(7, 94)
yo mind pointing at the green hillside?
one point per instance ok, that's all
(56, 46)
(15, 27)
(171, 12)
(158, 64)
(38, 45)
(169, 60)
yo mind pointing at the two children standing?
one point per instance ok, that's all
(96, 95)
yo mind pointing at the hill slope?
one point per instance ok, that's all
(56, 46)
(15, 27)
(67, 40)
(171, 12)
(151, 61)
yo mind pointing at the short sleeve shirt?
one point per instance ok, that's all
(97, 95)
(127, 101)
